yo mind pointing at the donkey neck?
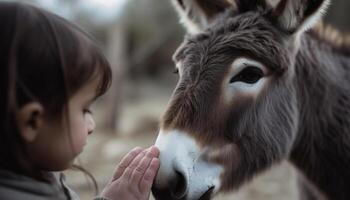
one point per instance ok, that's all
(322, 146)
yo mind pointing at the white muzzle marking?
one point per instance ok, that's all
(180, 153)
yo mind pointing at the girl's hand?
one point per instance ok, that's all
(133, 178)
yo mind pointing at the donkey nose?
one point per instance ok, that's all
(176, 190)
(180, 187)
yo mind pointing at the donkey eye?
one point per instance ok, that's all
(176, 71)
(248, 75)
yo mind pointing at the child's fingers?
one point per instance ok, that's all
(154, 151)
(125, 162)
(147, 179)
(129, 169)
(141, 168)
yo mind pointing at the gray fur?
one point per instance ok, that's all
(303, 115)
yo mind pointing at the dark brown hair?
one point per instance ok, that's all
(43, 58)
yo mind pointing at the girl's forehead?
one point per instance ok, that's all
(88, 92)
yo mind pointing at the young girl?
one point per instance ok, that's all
(51, 72)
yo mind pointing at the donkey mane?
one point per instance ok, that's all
(320, 149)
(327, 33)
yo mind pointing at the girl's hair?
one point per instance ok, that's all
(43, 58)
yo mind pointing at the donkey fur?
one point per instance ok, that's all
(303, 115)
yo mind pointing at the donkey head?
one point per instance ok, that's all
(234, 111)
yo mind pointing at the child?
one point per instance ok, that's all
(51, 72)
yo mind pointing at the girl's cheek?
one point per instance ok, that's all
(80, 135)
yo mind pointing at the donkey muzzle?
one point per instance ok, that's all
(184, 174)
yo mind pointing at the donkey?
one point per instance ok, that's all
(256, 86)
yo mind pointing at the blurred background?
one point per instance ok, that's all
(139, 38)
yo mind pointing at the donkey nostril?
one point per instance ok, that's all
(180, 189)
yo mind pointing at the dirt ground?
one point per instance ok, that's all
(138, 127)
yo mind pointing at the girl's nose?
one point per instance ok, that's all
(91, 124)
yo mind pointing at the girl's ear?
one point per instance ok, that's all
(197, 14)
(297, 16)
(30, 120)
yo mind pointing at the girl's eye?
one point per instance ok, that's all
(248, 75)
(87, 111)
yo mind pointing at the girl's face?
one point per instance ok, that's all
(58, 142)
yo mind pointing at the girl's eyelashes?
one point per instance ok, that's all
(87, 111)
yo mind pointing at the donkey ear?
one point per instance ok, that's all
(197, 14)
(295, 16)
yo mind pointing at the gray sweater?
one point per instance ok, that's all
(18, 187)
